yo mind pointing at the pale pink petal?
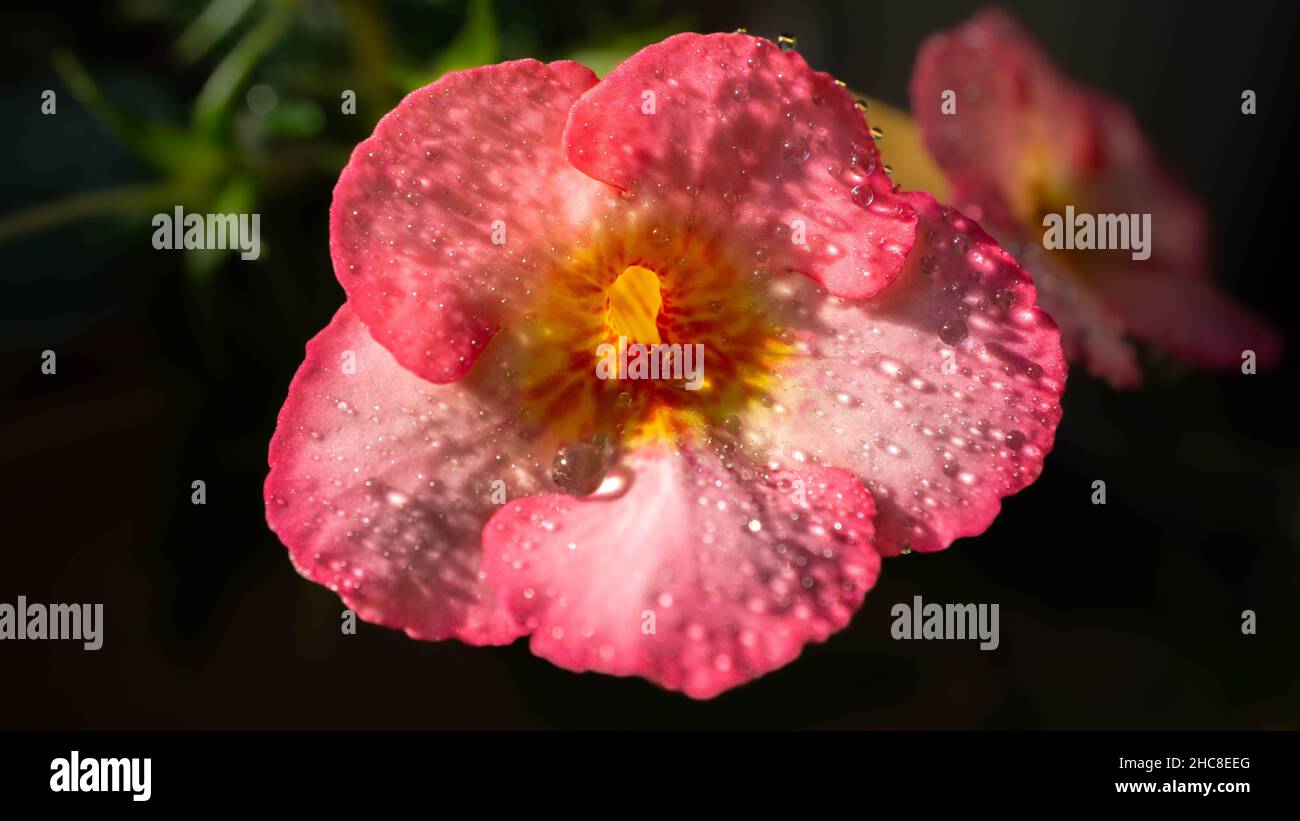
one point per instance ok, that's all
(942, 394)
(738, 132)
(701, 575)
(381, 482)
(455, 208)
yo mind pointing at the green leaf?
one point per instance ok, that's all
(476, 44)
(239, 196)
(160, 145)
(612, 51)
(218, 18)
(127, 199)
(226, 80)
(294, 119)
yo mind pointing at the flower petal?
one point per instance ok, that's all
(747, 135)
(447, 213)
(1190, 317)
(381, 482)
(1091, 331)
(701, 576)
(942, 394)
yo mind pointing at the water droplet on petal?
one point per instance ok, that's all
(953, 331)
(862, 164)
(578, 469)
(795, 150)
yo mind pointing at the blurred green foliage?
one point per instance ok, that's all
(225, 156)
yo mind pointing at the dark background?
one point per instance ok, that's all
(171, 368)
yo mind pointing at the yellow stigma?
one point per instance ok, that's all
(634, 303)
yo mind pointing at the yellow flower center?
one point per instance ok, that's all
(649, 287)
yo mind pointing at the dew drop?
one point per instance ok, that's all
(953, 331)
(864, 165)
(578, 469)
(795, 150)
(863, 195)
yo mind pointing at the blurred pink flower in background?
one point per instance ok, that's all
(1023, 142)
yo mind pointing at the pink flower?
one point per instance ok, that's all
(876, 374)
(1025, 142)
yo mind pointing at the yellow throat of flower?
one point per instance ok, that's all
(639, 287)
